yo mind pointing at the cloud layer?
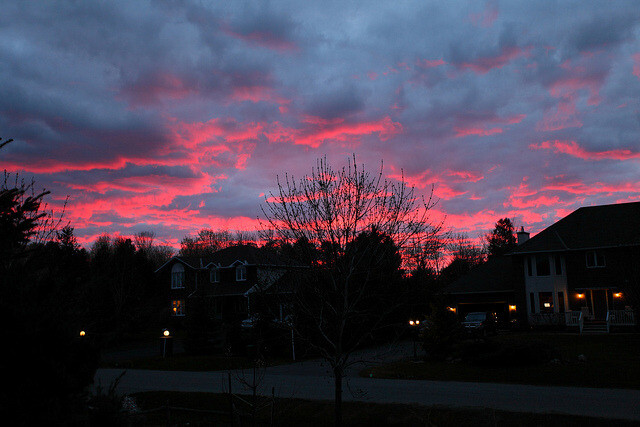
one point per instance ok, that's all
(177, 116)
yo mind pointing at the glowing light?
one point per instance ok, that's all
(580, 295)
(617, 295)
(411, 322)
(417, 322)
(165, 333)
(451, 309)
(82, 333)
(547, 305)
(512, 308)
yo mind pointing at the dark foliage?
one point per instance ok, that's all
(502, 238)
(40, 282)
(441, 332)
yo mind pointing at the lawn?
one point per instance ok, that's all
(313, 413)
(609, 361)
(187, 362)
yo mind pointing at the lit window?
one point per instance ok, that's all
(546, 302)
(241, 273)
(214, 275)
(177, 307)
(177, 276)
(595, 259)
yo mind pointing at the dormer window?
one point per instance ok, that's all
(241, 273)
(177, 276)
(214, 275)
(595, 259)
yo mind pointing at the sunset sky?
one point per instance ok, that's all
(156, 115)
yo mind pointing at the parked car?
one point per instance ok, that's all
(480, 323)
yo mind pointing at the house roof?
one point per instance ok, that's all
(246, 253)
(589, 228)
(495, 275)
(226, 257)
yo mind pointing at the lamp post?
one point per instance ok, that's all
(167, 343)
(414, 324)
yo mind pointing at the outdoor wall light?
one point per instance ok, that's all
(82, 333)
(165, 333)
(580, 295)
(512, 308)
(452, 309)
(547, 305)
(617, 295)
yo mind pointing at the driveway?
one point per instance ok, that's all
(310, 380)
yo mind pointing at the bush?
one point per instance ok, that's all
(203, 333)
(441, 333)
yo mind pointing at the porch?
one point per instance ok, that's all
(584, 321)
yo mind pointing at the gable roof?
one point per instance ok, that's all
(590, 227)
(228, 256)
(246, 253)
(496, 275)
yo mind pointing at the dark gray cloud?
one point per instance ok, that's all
(178, 115)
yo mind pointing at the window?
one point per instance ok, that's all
(177, 307)
(241, 273)
(546, 302)
(558, 264)
(542, 265)
(529, 268)
(595, 259)
(177, 276)
(214, 275)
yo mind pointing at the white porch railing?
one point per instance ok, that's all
(547, 319)
(574, 318)
(620, 318)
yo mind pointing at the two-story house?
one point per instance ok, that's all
(583, 270)
(232, 280)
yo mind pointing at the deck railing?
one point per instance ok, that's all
(575, 318)
(547, 319)
(620, 318)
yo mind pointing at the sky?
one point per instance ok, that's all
(175, 116)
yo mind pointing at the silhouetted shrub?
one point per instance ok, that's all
(441, 332)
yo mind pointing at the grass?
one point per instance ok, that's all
(300, 412)
(612, 361)
(183, 362)
(187, 362)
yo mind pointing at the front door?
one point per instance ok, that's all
(599, 301)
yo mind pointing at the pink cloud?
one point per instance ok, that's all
(467, 126)
(487, 17)
(264, 39)
(636, 65)
(429, 63)
(320, 131)
(461, 132)
(257, 94)
(485, 64)
(563, 117)
(155, 87)
(572, 148)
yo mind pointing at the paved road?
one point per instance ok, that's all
(309, 380)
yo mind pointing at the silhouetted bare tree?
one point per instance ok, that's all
(357, 222)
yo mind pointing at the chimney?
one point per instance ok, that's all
(523, 236)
